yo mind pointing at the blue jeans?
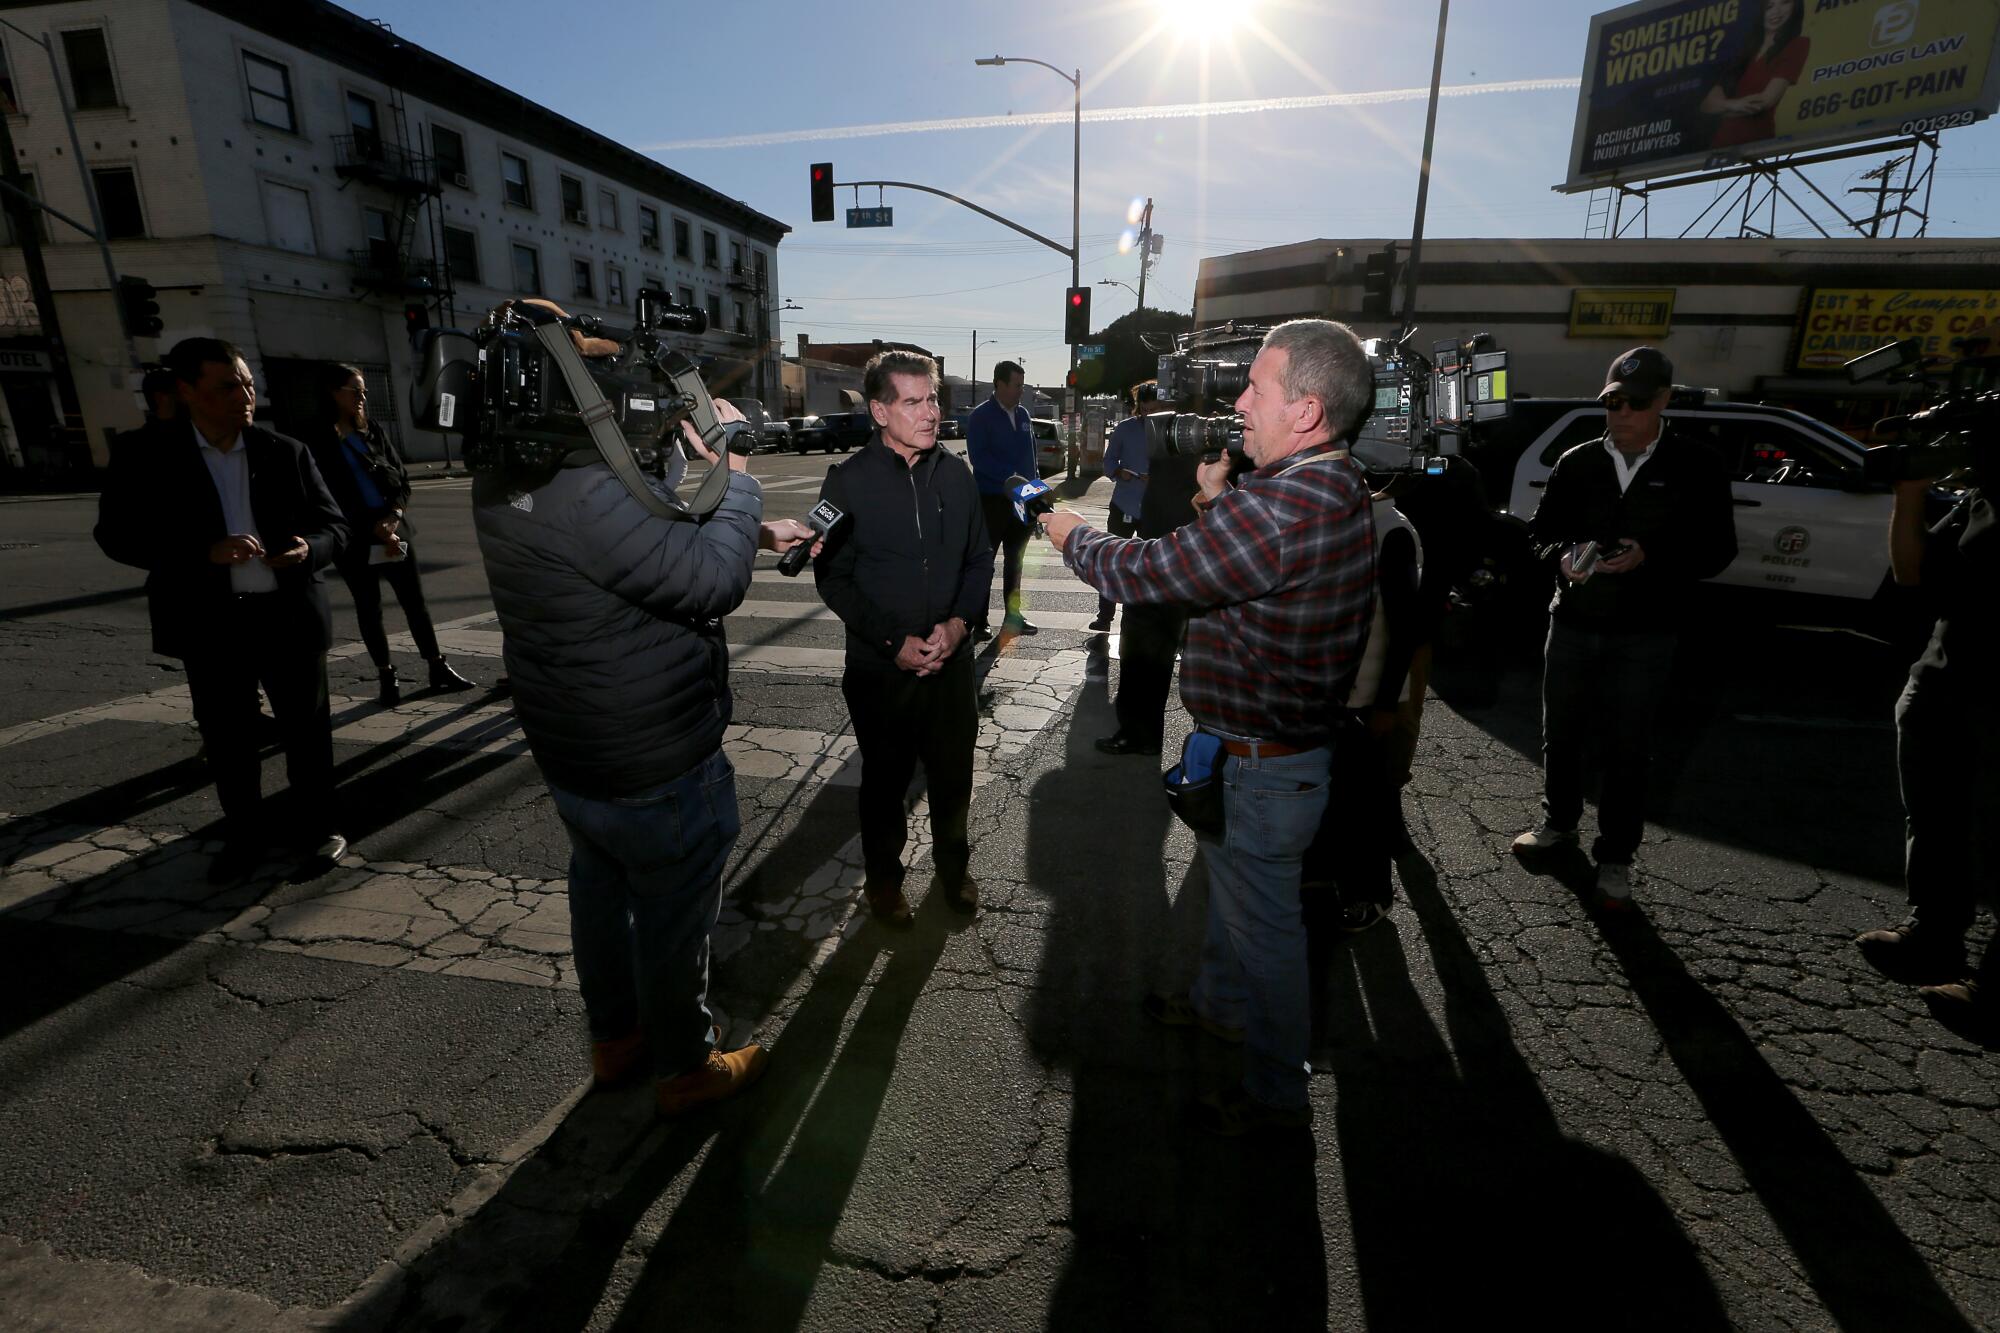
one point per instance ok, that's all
(1253, 957)
(645, 887)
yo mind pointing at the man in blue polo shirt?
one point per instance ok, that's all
(999, 443)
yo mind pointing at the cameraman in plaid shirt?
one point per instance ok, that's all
(1282, 569)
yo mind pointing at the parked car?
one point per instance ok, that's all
(850, 429)
(951, 428)
(1051, 454)
(809, 433)
(773, 433)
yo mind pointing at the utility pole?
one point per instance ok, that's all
(1145, 249)
(1424, 176)
(27, 230)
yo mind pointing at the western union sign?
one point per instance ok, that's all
(1620, 312)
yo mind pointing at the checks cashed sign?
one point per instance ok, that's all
(1672, 85)
(1840, 323)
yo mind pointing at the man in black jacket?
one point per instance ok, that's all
(1630, 522)
(612, 618)
(234, 528)
(908, 573)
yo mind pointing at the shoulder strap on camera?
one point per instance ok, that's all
(599, 418)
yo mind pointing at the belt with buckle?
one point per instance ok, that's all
(1264, 749)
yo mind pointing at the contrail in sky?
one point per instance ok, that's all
(1174, 111)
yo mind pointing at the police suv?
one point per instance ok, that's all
(1806, 523)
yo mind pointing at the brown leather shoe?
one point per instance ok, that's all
(1909, 952)
(890, 907)
(614, 1062)
(721, 1075)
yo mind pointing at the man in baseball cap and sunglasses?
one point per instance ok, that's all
(1629, 523)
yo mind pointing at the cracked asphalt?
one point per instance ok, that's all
(358, 1102)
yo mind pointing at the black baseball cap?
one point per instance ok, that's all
(1639, 373)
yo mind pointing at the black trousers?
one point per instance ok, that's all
(223, 688)
(365, 582)
(1120, 524)
(1605, 687)
(900, 718)
(1008, 532)
(1355, 847)
(1147, 642)
(1948, 760)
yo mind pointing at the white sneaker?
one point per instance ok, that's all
(1614, 882)
(1545, 838)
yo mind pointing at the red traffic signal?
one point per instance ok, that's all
(1076, 316)
(822, 192)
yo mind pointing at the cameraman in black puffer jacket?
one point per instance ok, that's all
(613, 621)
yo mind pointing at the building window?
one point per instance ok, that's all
(90, 77)
(288, 218)
(742, 319)
(118, 201)
(614, 285)
(461, 253)
(270, 93)
(41, 219)
(580, 283)
(362, 120)
(683, 246)
(653, 282)
(736, 257)
(761, 271)
(711, 250)
(527, 270)
(607, 210)
(376, 226)
(685, 296)
(448, 147)
(714, 312)
(572, 200)
(649, 227)
(514, 181)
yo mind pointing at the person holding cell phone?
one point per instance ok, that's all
(1629, 523)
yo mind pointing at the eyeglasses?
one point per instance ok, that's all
(1618, 402)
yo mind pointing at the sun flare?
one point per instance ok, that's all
(1205, 20)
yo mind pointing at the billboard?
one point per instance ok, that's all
(1841, 323)
(1675, 85)
(1621, 312)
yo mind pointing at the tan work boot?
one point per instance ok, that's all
(721, 1075)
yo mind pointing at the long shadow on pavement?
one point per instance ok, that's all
(1861, 1265)
(1463, 1192)
(1170, 1228)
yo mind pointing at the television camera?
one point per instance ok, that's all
(1957, 429)
(528, 400)
(1428, 407)
(1207, 368)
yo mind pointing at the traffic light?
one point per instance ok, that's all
(1076, 316)
(416, 318)
(1378, 285)
(822, 191)
(139, 307)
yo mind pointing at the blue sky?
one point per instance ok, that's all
(658, 74)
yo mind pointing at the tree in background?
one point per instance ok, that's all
(1125, 361)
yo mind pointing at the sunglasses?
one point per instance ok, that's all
(1618, 402)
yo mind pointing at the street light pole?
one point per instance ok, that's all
(1424, 177)
(1075, 78)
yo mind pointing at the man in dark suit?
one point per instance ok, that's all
(234, 527)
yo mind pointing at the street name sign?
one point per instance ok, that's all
(882, 215)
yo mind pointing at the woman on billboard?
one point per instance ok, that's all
(1747, 99)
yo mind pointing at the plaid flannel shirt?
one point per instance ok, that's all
(1280, 574)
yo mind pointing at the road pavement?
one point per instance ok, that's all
(358, 1101)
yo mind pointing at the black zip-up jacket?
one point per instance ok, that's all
(1678, 509)
(912, 554)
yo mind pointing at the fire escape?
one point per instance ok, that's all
(405, 261)
(753, 283)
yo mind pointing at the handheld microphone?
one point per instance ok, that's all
(823, 519)
(1029, 497)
